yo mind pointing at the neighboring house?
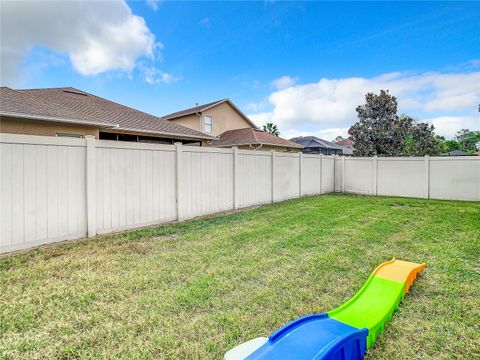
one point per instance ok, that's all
(213, 118)
(345, 143)
(457, 153)
(75, 113)
(232, 127)
(254, 139)
(315, 145)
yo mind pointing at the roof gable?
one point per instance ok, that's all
(204, 107)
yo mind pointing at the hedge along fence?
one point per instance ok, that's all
(55, 189)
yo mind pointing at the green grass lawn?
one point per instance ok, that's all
(193, 290)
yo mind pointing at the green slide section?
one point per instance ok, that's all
(372, 306)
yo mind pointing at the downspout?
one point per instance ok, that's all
(200, 121)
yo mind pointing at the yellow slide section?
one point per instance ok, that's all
(400, 271)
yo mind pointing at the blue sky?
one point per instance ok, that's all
(304, 66)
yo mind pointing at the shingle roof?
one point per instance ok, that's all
(249, 136)
(457, 153)
(20, 104)
(345, 142)
(314, 142)
(203, 107)
(73, 103)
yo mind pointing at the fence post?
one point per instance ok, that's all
(343, 174)
(91, 187)
(273, 176)
(427, 176)
(375, 175)
(178, 176)
(235, 177)
(300, 164)
(321, 174)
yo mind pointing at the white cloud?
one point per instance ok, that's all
(152, 75)
(331, 103)
(154, 4)
(97, 36)
(284, 82)
(449, 125)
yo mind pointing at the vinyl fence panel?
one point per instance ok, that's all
(328, 175)
(206, 181)
(455, 178)
(402, 177)
(254, 178)
(135, 185)
(43, 196)
(286, 176)
(358, 175)
(311, 175)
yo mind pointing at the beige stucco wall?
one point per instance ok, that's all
(36, 127)
(190, 121)
(224, 117)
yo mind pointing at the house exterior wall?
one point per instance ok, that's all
(190, 121)
(224, 117)
(13, 125)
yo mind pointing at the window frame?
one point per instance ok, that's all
(205, 124)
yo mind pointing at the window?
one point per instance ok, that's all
(207, 123)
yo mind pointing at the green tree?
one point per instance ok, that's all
(420, 139)
(379, 130)
(469, 140)
(445, 146)
(271, 128)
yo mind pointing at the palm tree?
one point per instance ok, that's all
(271, 128)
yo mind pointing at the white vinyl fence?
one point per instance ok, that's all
(54, 189)
(450, 178)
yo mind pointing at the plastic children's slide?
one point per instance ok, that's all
(341, 334)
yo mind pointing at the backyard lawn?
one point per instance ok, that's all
(193, 290)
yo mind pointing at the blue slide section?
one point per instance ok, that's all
(314, 337)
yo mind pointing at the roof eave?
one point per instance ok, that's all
(170, 134)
